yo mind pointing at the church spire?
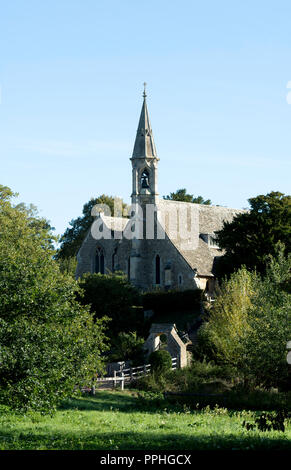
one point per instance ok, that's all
(144, 161)
(144, 146)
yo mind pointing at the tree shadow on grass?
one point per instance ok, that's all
(102, 401)
(155, 403)
(92, 440)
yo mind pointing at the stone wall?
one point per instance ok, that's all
(180, 267)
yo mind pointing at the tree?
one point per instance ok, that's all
(127, 346)
(73, 237)
(114, 296)
(250, 322)
(181, 195)
(161, 361)
(269, 323)
(228, 318)
(49, 342)
(68, 265)
(253, 235)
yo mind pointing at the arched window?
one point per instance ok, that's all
(158, 270)
(99, 261)
(180, 279)
(128, 268)
(114, 260)
(145, 179)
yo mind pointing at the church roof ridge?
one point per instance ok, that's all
(204, 206)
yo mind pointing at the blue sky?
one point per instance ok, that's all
(71, 75)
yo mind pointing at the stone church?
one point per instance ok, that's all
(162, 244)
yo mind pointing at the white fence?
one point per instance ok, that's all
(126, 375)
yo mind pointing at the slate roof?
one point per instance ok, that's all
(203, 257)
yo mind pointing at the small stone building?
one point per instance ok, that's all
(163, 244)
(174, 344)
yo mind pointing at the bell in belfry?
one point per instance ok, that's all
(145, 180)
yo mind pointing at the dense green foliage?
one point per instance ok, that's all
(73, 237)
(160, 361)
(199, 377)
(114, 296)
(252, 236)
(127, 346)
(221, 336)
(124, 421)
(270, 326)
(68, 265)
(250, 323)
(49, 343)
(181, 195)
(165, 302)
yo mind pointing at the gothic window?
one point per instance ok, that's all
(145, 179)
(114, 256)
(168, 276)
(102, 263)
(158, 270)
(128, 268)
(99, 261)
(180, 279)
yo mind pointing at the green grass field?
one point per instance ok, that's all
(114, 420)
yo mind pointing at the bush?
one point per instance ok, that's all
(161, 361)
(127, 346)
(200, 377)
(114, 296)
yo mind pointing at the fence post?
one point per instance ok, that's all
(145, 369)
(114, 381)
(122, 381)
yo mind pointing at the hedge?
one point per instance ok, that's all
(172, 301)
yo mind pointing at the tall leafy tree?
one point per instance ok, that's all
(227, 324)
(71, 240)
(181, 195)
(250, 322)
(269, 323)
(49, 342)
(252, 236)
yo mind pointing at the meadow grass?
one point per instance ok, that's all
(115, 420)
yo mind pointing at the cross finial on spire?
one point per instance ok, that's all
(144, 90)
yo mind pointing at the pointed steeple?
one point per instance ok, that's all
(144, 146)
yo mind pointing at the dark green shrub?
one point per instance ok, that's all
(161, 361)
(114, 296)
(127, 346)
(171, 301)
